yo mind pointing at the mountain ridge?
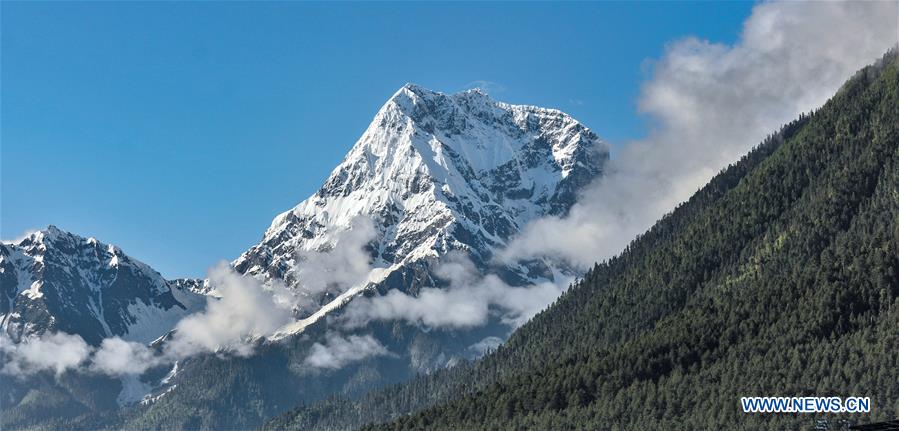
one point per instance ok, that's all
(54, 280)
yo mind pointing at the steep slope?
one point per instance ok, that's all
(54, 281)
(780, 277)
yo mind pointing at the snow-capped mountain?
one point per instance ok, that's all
(438, 173)
(53, 280)
(433, 174)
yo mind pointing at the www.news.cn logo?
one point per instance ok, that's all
(805, 404)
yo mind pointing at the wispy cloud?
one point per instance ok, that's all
(19, 238)
(467, 302)
(337, 351)
(485, 345)
(245, 310)
(57, 352)
(337, 269)
(712, 103)
(119, 357)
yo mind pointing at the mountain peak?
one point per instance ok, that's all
(52, 232)
(415, 88)
(437, 173)
(411, 87)
(414, 91)
(55, 280)
(54, 237)
(484, 132)
(415, 101)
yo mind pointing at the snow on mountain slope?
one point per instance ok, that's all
(56, 281)
(437, 173)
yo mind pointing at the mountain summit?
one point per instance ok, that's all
(53, 280)
(439, 173)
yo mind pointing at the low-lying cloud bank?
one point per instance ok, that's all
(467, 302)
(55, 352)
(711, 103)
(245, 311)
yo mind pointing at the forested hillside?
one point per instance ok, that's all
(780, 277)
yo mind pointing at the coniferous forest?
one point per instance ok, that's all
(780, 277)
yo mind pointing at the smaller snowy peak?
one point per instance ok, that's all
(53, 280)
(62, 246)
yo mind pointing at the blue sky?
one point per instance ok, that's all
(179, 130)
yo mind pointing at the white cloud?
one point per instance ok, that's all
(433, 307)
(346, 264)
(712, 103)
(487, 344)
(339, 351)
(242, 311)
(118, 357)
(58, 352)
(467, 302)
(245, 311)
